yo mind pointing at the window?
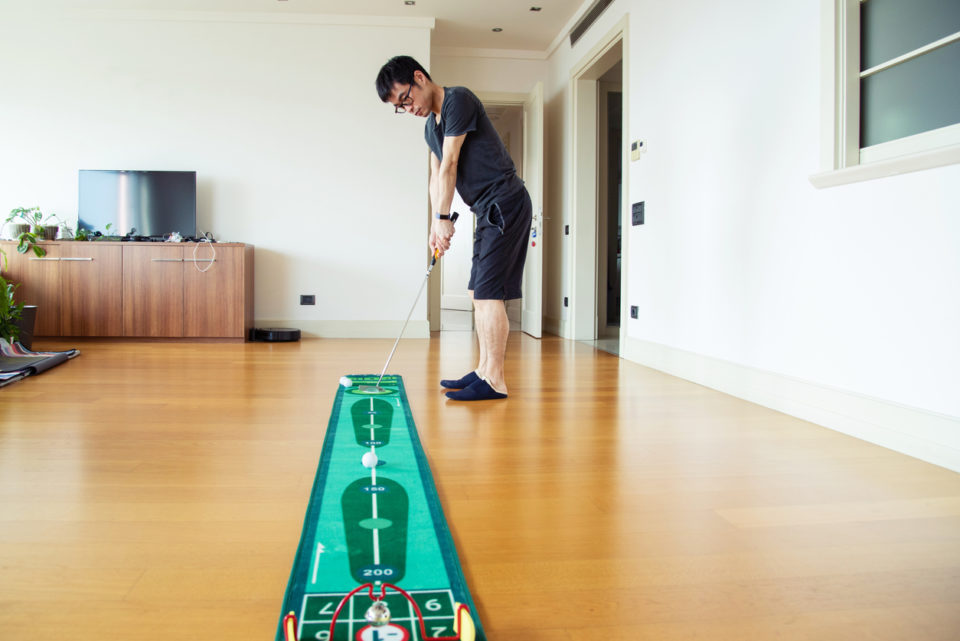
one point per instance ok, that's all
(891, 87)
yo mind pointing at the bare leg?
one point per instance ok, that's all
(478, 320)
(492, 331)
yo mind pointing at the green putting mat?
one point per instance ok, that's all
(375, 525)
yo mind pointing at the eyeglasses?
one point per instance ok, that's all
(405, 101)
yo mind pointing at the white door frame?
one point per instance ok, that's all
(584, 194)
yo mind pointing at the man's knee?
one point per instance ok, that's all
(489, 304)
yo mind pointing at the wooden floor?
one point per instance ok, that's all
(156, 491)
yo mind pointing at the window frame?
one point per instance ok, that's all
(842, 160)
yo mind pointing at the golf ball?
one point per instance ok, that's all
(369, 460)
(345, 381)
(378, 614)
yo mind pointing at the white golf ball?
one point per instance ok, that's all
(369, 460)
(345, 381)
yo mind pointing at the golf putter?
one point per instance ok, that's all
(376, 389)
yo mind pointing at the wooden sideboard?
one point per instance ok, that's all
(137, 289)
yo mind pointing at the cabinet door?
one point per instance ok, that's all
(91, 290)
(152, 290)
(213, 292)
(39, 284)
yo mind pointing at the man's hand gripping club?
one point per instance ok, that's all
(441, 231)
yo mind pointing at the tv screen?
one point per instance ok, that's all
(138, 203)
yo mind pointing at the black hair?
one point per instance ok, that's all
(399, 69)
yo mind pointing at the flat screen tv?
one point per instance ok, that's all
(138, 203)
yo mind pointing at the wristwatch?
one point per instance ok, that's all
(440, 216)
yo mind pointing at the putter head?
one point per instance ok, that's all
(372, 389)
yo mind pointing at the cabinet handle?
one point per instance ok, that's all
(167, 260)
(199, 260)
(76, 259)
(53, 259)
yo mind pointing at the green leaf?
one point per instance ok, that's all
(10, 311)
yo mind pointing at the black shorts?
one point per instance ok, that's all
(500, 248)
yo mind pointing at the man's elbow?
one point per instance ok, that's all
(449, 169)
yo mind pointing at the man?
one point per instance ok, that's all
(468, 155)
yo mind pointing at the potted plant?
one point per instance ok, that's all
(16, 319)
(49, 231)
(35, 220)
(10, 312)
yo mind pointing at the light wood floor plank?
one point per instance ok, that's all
(150, 490)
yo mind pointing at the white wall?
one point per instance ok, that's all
(488, 71)
(294, 151)
(743, 268)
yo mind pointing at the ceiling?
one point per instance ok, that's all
(459, 23)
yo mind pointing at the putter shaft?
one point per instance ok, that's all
(436, 254)
(409, 314)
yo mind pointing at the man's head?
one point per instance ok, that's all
(405, 84)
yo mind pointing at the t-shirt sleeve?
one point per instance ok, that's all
(461, 113)
(430, 135)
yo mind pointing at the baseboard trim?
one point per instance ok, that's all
(460, 303)
(555, 326)
(928, 436)
(352, 328)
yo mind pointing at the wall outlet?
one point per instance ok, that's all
(634, 311)
(308, 299)
(638, 209)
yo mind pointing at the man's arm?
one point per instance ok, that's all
(443, 183)
(434, 182)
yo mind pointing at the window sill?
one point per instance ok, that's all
(882, 168)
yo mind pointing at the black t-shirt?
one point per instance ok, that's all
(485, 171)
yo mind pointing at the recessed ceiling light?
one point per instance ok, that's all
(497, 30)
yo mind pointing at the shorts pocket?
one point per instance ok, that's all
(495, 217)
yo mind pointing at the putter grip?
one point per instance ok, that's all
(436, 252)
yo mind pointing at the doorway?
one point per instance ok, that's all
(609, 208)
(456, 309)
(518, 119)
(599, 253)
